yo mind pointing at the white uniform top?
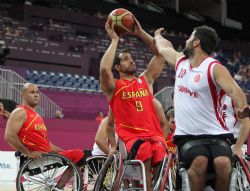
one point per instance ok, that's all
(97, 151)
(196, 99)
(229, 115)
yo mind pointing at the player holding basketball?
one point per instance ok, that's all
(27, 133)
(200, 133)
(131, 101)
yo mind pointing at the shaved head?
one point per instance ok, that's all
(26, 86)
(30, 95)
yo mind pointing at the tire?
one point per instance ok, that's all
(166, 178)
(243, 178)
(91, 171)
(45, 173)
(107, 179)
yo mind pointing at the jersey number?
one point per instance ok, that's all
(138, 106)
(182, 73)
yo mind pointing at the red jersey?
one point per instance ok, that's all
(134, 113)
(169, 141)
(33, 133)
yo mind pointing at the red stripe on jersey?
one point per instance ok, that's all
(213, 92)
(179, 61)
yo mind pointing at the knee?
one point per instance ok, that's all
(199, 165)
(222, 164)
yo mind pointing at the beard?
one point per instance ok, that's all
(188, 51)
(130, 72)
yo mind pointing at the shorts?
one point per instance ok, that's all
(76, 155)
(149, 149)
(211, 148)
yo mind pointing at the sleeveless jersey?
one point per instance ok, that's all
(229, 115)
(33, 133)
(196, 99)
(133, 109)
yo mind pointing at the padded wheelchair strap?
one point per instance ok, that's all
(134, 149)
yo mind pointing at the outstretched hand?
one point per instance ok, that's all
(158, 32)
(111, 32)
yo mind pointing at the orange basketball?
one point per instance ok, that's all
(122, 20)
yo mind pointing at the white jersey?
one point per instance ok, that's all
(229, 115)
(196, 99)
(97, 151)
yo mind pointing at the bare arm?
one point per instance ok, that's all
(162, 117)
(111, 132)
(227, 83)
(14, 124)
(106, 76)
(55, 148)
(165, 48)
(101, 136)
(153, 71)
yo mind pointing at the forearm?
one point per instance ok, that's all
(108, 58)
(111, 137)
(244, 132)
(103, 146)
(147, 38)
(16, 144)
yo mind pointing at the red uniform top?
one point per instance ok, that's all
(169, 141)
(134, 113)
(33, 133)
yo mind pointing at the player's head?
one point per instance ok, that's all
(124, 63)
(30, 94)
(204, 37)
(170, 118)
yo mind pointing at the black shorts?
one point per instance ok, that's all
(209, 147)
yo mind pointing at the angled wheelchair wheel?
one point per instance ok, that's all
(166, 178)
(91, 171)
(108, 178)
(47, 173)
(243, 174)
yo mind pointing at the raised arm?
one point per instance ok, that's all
(147, 38)
(165, 48)
(227, 83)
(107, 80)
(153, 70)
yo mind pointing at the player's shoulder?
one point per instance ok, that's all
(19, 112)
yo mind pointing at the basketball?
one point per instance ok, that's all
(122, 20)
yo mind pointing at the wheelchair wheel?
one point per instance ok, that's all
(108, 178)
(243, 172)
(46, 173)
(166, 178)
(91, 171)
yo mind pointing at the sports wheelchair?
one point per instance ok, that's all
(240, 177)
(120, 171)
(44, 173)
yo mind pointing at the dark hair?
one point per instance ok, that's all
(117, 62)
(117, 58)
(208, 38)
